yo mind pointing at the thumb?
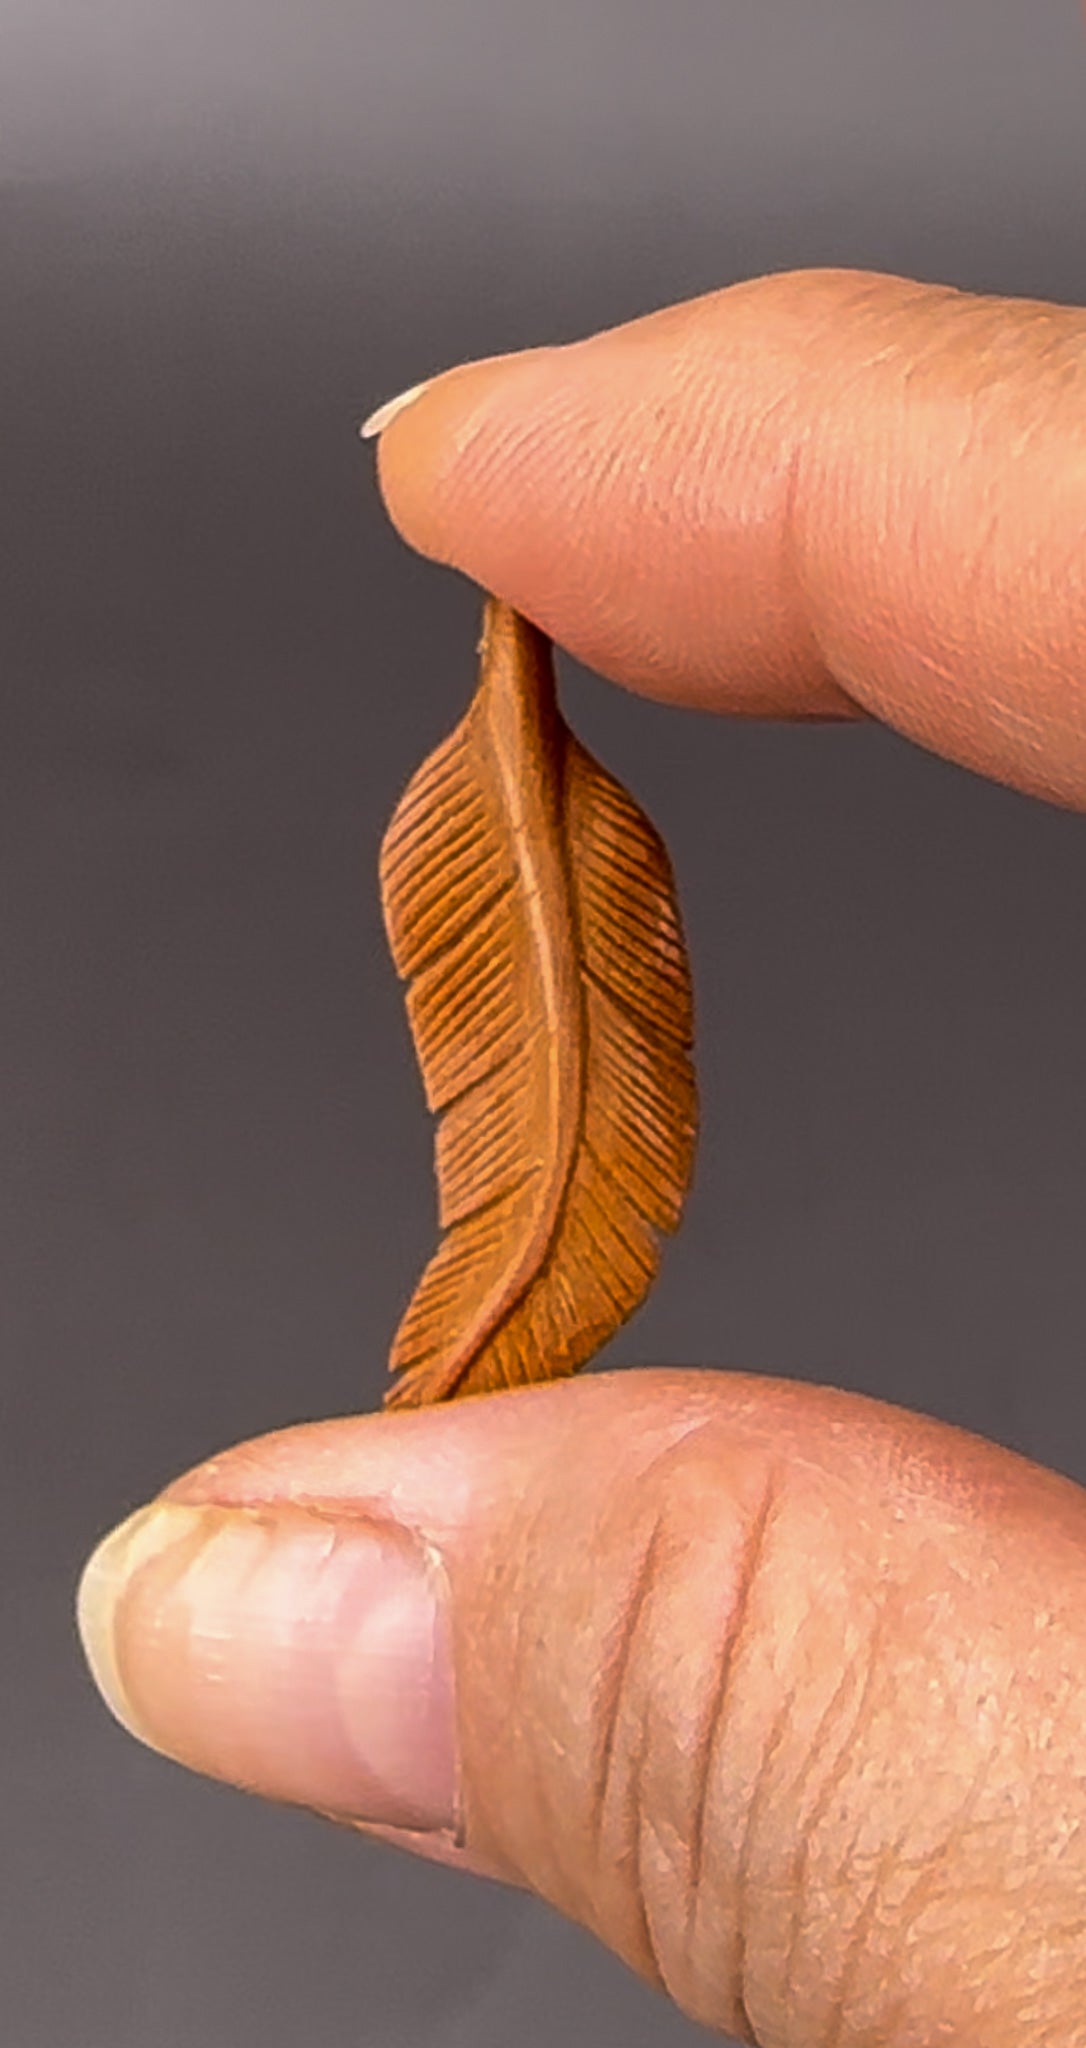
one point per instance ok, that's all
(776, 1690)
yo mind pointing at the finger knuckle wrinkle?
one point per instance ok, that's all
(673, 1817)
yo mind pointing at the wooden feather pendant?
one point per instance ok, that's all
(531, 911)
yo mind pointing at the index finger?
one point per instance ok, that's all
(820, 494)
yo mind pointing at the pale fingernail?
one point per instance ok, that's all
(304, 1656)
(385, 414)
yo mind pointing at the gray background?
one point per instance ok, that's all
(227, 230)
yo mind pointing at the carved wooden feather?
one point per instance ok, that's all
(532, 913)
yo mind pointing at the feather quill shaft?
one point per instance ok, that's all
(531, 912)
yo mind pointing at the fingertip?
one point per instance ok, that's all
(426, 451)
(582, 484)
(305, 1656)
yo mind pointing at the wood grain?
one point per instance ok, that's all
(531, 911)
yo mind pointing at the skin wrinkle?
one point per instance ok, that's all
(791, 556)
(611, 464)
(927, 1889)
(533, 1533)
(597, 1790)
(926, 1894)
(738, 1973)
(807, 1823)
(745, 440)
(902, 1860)
(916, 362)
(708, 1739)
(834, 2036)
(636, 1806)
(634, 1609)
(608, 1701)
(665, 1848)
(977, 440)
(890, 1860)
(513, 451)
(646, 1581)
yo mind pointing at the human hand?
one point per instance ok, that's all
(778, 1690)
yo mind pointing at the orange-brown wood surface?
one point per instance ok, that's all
(531, 911)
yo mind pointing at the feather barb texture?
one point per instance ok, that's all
(532, 914)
